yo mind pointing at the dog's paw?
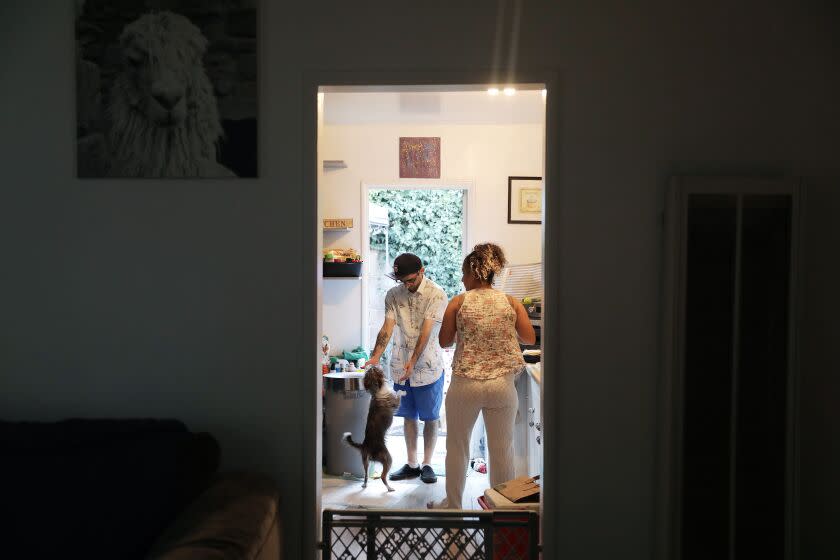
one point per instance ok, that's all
(400, 393)
(364, 485)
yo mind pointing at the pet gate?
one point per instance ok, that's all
(429, 535)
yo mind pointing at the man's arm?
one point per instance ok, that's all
(446, 336)
(382, 340)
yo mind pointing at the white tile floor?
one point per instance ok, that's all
(338, 492)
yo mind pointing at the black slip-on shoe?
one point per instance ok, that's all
(406, 471)
(427, 474)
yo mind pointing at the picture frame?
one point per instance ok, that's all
(525, 196)
(203, 126)
(419, 157)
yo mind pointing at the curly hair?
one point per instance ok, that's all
(485, 261)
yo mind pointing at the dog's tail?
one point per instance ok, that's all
(348, 439)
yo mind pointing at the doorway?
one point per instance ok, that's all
(730, 397)
(320, 237)
(430, 222)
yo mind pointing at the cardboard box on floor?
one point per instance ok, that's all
(494, 500)
(522, 489)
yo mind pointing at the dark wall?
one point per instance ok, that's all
(178, 298)
(820, 362)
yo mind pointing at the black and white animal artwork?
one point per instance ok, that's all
(166, 89)
(384, 402)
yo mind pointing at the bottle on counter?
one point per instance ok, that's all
(325, 354)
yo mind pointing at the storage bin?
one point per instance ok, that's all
(509, 543)
(345, 410)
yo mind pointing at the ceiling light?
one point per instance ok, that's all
(545, 93)
(493, 91)
(509, 91)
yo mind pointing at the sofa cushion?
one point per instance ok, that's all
(99, 488)
(236, 517)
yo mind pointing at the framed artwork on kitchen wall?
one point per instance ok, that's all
(420, 157)
(525, 196)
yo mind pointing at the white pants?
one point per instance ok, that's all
(496, 399)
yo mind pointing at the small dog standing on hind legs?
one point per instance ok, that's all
(384, 402)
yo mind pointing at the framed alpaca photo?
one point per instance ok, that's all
(525, 196)
(166, 89)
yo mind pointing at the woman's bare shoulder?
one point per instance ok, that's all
(455, 303)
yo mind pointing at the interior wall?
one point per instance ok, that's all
(483, 155)
(179, 298)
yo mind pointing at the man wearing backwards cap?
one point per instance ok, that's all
(416, 306)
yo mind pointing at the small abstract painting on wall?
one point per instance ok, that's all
(420, 157)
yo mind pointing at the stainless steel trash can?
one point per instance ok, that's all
(345, 410)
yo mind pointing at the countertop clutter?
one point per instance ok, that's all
(342, 255)
(342, 263)
(532, 355)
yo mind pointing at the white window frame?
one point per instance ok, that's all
(396, 185)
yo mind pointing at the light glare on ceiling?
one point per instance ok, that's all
(493, 91)
(509, 91)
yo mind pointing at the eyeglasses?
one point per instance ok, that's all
(409, 280)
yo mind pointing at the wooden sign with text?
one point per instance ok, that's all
(338, 223)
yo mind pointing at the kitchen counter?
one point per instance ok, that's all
(527, 437)
(535, 371)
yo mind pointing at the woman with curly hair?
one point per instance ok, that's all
(489, 326)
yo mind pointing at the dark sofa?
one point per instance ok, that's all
(127, 489)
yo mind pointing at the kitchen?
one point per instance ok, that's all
(476, 175)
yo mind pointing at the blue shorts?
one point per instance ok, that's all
(421, 402)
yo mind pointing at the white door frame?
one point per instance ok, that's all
(396, 185)
(311, 281)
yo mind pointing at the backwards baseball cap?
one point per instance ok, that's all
(404, 265)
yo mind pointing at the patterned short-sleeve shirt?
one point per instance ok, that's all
(409, 311)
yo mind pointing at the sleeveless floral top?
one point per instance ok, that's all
(487, 343)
